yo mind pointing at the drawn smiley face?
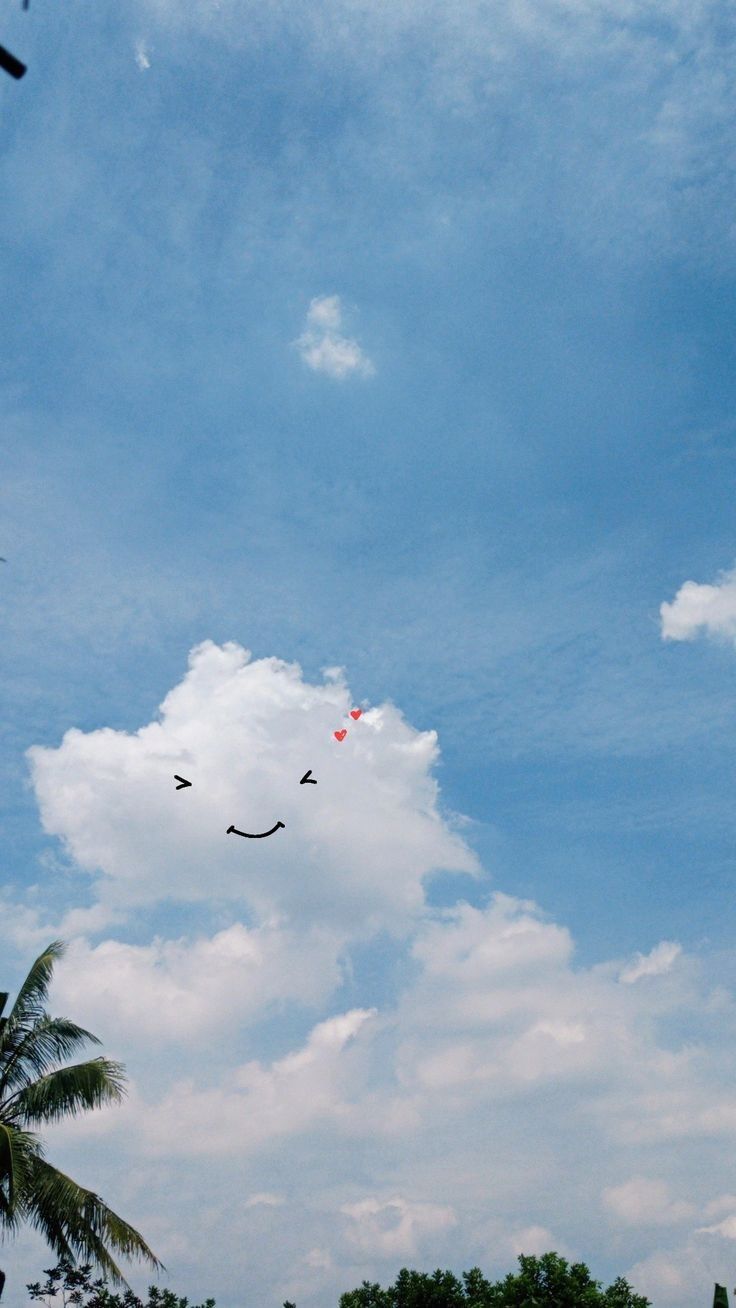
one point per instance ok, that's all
(253, 835)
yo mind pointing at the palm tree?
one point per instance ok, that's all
(75, 1221)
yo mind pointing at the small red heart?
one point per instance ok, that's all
(355, 713)
(340, 735)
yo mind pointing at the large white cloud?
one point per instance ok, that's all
(505, 1098)
(504, 1101)
(354, 848)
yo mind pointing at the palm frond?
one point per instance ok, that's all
(3, 1020)
(47, 1041)
(67, 1090)
(18, 1148)
(73, 1220)
(50, 1224)
(28, 1005)
(67, 1213)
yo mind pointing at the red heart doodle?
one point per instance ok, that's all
(340, 735)
(355, 713)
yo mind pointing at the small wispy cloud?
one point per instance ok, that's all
(323, 347)
(657, 962)
(141, 55)
(695, 606)
(266, 1198)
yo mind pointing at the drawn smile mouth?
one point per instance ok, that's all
(258, 835)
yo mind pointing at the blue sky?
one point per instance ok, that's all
(394, 339)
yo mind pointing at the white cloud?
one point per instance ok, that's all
(141, 55)
(354, 847)
(658, 961)
(659, 1269)
(696, 606)
(254, 1106)
(682, 1275)
(392, 1228)
(498, 1061)
(725, 1228)
(322, 346)
(324, 313)
(642, 1201)
(433, 1126)
(725, 1203)
(318, 1258)
(536, 1240)
(349, 861)
(185, 991)
(266, 1199)
(497, 1008)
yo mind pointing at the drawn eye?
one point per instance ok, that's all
(183, 782)
(311, 781)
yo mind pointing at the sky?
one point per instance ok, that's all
(377, 356)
